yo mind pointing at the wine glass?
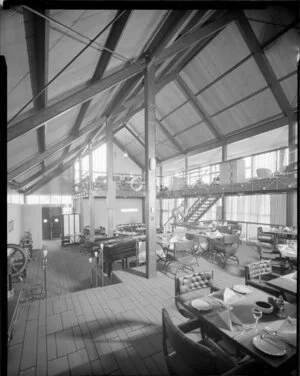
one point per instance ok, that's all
(280, 304)
(257, 314)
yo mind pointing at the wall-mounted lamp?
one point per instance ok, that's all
(96, 253)
(90, 260)
(45, 252)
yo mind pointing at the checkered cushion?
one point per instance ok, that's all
(195, 281)
(259, 268)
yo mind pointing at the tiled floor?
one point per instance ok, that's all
(113, 330)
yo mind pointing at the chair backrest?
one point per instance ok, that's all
(258, 268)
(187, 245)
(196, 357)
(230, 239)
(193, 281)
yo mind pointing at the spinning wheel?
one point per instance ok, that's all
(18, 259)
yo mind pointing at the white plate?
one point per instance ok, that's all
(267, 347)
(242, 289)
(201, 304)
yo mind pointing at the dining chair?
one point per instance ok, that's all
(226, 247)
(182, 253)
(184, 356)
(189, 286)
(257, 273)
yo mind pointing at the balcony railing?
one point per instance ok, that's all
(239, 175)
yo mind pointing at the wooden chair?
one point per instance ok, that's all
(257, 273)
(226, 247)
(182, 253)
(183, 356)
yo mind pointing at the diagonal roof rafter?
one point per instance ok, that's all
(37, 42)
(264, 65)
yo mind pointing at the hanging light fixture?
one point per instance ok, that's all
(125, 152)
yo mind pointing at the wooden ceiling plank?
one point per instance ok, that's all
(36, 159)
(264, 65)
(170, 137)
(35, 120)
(53, 174)
(198, 107)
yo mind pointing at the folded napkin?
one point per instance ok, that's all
(288, 330)
(228, 319)
(226, 295)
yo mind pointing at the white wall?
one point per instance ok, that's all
(32, 221)
(124, 165)
(120, 218)
(61, 185)
(14, 213)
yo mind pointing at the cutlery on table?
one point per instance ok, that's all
(269, 340)
(278, 338)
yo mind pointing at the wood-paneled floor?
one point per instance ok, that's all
(114, 330)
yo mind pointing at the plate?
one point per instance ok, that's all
(242, 289)
(267, 347)
(201, 304)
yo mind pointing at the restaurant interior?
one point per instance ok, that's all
(152, 177)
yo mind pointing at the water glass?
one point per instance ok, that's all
(257, 314)
(280, 304)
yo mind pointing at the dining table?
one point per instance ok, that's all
(284, 235)
(242, 332)
(285, 283)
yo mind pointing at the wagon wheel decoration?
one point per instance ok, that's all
(136, 184)
(17, 258)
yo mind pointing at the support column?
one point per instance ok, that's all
(150, 171)
(291, 197)
(186, 167)
(111, 186)
(81, 198)
(91, 196)
(224, 158)
(160, 199)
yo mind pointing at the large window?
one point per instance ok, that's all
(48, 200)
(99, 164)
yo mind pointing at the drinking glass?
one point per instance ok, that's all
(257, 314)
(280, 304)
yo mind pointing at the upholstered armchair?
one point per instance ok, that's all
(188, 286)
(257, 273)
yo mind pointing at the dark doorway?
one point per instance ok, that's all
(51, 225)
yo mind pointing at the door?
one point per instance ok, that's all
(51, 226)
(56, 225)
(46, 223)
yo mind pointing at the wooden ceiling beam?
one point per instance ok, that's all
(194, 37)
(52, 175)
(17, 128)
(46, 169)
(138, 138)
(198, 107)
(37, 42)
(264, 65)
(110, 45)
(169, 27)
(36, 159)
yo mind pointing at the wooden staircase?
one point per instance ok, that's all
(198, 209)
